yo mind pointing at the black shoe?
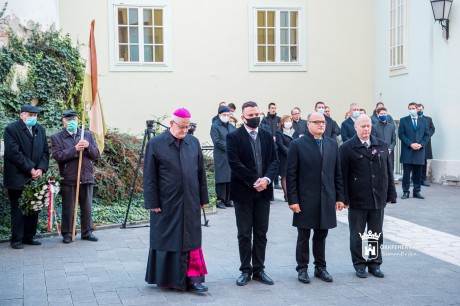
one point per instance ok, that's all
(31, 241)
(376, 272)
(229, 204)
(91, 237)
(243, 279)
(220, 205)
(361, 273)
(197, 288)
(278, 186)
(425, 183)
(16, 245)
(417, 195)
(67, 239)
(263, 278)
(303, 276)
(405, 195)
(323, 274)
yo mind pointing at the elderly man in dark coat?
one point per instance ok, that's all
(175, 190)
(414, 135)
(369, 185)
(219, 130)
(26, 157)
(315, 192)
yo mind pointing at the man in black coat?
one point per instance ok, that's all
(428, 150)
(414, 135)
(332, 130)
(315, 192)
(175, 190)
(369, 185)
(273, 121)
(385, 130)
(375, 115)
(300, 125)
(26, 157)
(347, 130)
(254, 163)
(65, 149)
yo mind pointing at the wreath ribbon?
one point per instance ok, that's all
(52, 213)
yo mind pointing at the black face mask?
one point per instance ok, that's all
(252, 122)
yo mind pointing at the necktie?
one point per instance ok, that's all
(366, 145)
(253, 135)
(74, 135)
(415, 123)
(318, 141)
(30, 130)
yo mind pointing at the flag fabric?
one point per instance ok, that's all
(90, 94)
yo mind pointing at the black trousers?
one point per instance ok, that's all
(22, 227)
(416, 177)
(85, 198)
(302, 252)
(252, 223)
(223, 192)
(357, 220)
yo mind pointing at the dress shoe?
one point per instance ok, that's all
(229, 204)
(197, 288)
(91, 237)
(425, 183)
(417, 195)
(361, 273)
(220, 205)
(405, 195)
(262, 277)
(16, 245)
(323, 274)
(67, 239)
(31, 241)
(243, 279)
(303, 276)
(376, 272)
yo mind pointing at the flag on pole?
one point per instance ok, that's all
(90, 94)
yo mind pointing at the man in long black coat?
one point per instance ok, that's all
(175, 190)
(252, 157)
(428, 150)
(219, 131)
(414, 135)
(368, 186)
(26, 157)
(315, 192)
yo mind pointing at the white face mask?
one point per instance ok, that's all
(224, 119)
(232, 123)
(320, 110)
(287, 125)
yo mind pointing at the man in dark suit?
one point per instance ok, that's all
(300, 125)
(375, 115)
(254, 163)
(347, 130)
(428, 150)
(369, 184)
(273, 121)
(414, 136)
(332, 130)
(26, 157)
(315, 192)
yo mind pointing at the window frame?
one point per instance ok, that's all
(403, 67)
(301, 64)
(114, 63)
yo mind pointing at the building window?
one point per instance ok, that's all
(398, 36)
(140, 36)
(277, 37)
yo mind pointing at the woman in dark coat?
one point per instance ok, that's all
(284, 136)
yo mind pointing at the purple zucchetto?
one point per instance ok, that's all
(182, 113)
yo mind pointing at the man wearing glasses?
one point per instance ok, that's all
(315, 192)
(300, 125)
(175, 190)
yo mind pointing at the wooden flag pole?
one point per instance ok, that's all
(77, 193)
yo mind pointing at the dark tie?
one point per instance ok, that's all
(318, 141)
(415, 123)
(30, 130)
(366, 145)
(253, 135)
(74, 135)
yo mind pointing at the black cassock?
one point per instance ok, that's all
(175, 181)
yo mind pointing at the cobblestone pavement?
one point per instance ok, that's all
(111, 271)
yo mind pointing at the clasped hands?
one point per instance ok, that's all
(36, 173)
(81, 145)
(261, 184)
(296, 207)
(416, 146)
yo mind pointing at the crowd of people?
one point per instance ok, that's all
(320, 166)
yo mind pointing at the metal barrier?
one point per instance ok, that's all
(398, 166)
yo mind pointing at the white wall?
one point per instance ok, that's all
(43, 11)
(210, 56)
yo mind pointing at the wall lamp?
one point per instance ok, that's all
(441, 11)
